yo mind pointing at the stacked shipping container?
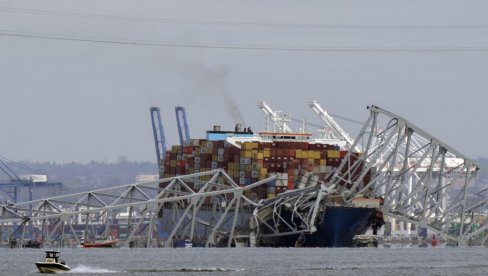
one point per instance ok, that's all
(295, 164)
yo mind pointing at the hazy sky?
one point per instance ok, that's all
(77, 78)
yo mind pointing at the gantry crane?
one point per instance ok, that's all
(279, 118)
(159, 138)
(183, 130)
(12, 188)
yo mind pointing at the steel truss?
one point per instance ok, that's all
(289, 213)
(422, 180)
(207, 206)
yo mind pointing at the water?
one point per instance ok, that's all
(257, 261)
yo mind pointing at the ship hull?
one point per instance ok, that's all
(107, 244)
(49, 267)
(340, 225)
(337, 228)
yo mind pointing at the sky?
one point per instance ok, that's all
(77, 78)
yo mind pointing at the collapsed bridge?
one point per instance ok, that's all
(419, 179)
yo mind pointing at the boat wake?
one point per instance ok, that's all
(89, 269)
(186, 270)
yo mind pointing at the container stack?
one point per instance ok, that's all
(295, 164)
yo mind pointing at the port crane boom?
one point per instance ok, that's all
(159, 138)
(336, 131)
(182, 123)
(279, 118)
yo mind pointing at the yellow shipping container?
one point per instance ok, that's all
(316, 155)
(246, 153)
(271, 196)
(267, 153)
(298, 153)
(260, 156)
(333, 154)
(322, 162)
(246, 146)
(312, 154)
(254, 145)
(263, 171)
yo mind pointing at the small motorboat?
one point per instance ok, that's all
(53, 263)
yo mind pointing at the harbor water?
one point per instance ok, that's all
(258, 261)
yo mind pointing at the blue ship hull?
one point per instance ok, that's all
(337, 228)
(340, 225)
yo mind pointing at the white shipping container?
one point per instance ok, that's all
(323, 169)
(195, 142)
(146, 177)
(34, 177)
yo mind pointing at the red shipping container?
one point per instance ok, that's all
(291, 184)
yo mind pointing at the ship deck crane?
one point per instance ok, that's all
(279, 118)
(336, 131)
(159, 138)
(182, 123)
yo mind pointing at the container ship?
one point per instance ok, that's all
(296, 160)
